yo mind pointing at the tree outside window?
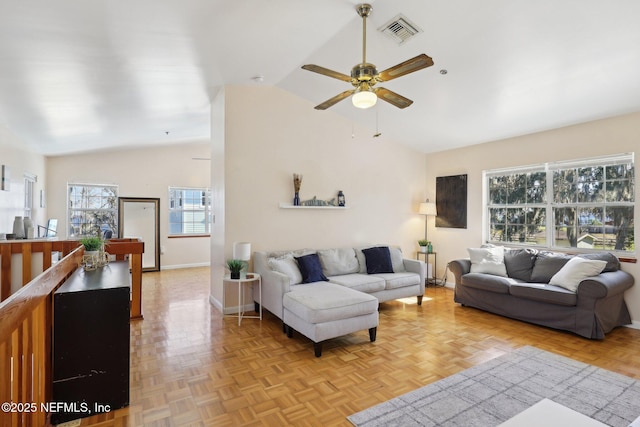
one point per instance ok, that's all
(590, 204)
(93, 209)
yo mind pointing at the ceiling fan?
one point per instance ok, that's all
(364, 76)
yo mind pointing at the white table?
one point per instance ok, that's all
(548, 413)
(249, 279)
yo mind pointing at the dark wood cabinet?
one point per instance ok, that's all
(91, 312)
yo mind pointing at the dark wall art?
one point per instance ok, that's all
(451, 201)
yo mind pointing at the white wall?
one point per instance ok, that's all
(20, 161)
(146, 172)
(602, 137)
(271, 134)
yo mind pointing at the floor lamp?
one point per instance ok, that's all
(427, 209)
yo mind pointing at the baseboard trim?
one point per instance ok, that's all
(634, 325)
(178, 266)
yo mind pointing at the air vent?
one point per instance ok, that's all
(400, 29)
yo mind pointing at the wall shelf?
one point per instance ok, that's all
(290, 206)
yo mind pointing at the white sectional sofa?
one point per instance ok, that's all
(325, 293)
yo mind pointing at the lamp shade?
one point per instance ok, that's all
(428, 208)
(364, 99)
(242, 251)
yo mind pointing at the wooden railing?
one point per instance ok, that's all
(26, 321)
(134, 248)
(27, 248)
(121, 248)
(25, 345)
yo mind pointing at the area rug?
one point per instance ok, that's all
(493, 392)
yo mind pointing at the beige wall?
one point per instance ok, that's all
(144, 172)
(19, 161)
(271, 134)
(602, 137)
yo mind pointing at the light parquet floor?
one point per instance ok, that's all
(190, 366)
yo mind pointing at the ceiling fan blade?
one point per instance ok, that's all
(409, 66)
(392, 97)
(332, 101)
(327, 72)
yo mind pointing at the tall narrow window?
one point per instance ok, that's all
(29, 184)
(189, 211)
(585, 204)
(93, 209)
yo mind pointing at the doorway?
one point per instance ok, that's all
(140, 217)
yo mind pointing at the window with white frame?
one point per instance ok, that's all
(92, 209)
(583, 204)
(29, 185)
(189, 211)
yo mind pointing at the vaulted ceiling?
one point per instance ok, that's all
(84, 75)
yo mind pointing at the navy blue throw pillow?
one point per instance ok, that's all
(311, 269)
(378, 260)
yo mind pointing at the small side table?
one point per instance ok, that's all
(428, 280)
(249, 279)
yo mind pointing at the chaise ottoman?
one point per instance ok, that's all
(323, 310)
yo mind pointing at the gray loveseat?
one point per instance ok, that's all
(589, 306)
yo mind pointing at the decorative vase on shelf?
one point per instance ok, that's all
(18, 228)
(28, 227)
(430, 248)
(296, 199)
(341, 201)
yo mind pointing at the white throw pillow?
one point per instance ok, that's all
(488, 260)
(286, 265)
(575, 271)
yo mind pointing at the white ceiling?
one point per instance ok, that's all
(84, 75)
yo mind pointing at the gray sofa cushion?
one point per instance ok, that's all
(397, 261)
(326, 302)
(488, 282)
(519, 263)
(547, 264)
(398, 280)
(359, 282)
(545, 293)
(613, 264)
(338, 261)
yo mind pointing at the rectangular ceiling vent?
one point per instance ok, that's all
(400, 29)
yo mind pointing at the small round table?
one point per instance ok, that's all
(249, 279)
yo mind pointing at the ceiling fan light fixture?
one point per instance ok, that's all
(364, 98)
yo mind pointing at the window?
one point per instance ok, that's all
(29, 184)
(189, 211)
(93, 209)
(586, 204)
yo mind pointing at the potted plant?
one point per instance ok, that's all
(91, 244)
(423, 245)
(235, 266)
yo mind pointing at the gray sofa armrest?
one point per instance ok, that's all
(274, 285)
(605, 285)
(414, 266)
(459, 268)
